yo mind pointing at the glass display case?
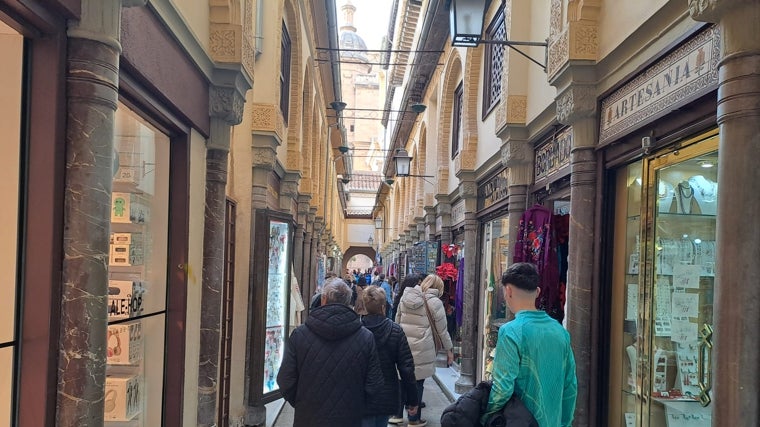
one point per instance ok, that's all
(664, 284)
(273, 245)
(137, 270)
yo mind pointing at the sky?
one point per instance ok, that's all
(370, 19)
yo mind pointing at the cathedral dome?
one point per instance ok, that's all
(351, 40)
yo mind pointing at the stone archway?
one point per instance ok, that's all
(356, 250)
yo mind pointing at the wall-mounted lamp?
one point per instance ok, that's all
(338, 106)
(379, 223)
(466, 19)
(403, 164)
(371, 241)
(418, 108)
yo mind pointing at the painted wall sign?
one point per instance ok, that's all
(457, 212)
(493, 191)
(554, 155)
(683, 75)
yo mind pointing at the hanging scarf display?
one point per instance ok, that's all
(536, 244)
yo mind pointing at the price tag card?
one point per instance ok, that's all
(686, 276)
(683, 331)
(685, 305)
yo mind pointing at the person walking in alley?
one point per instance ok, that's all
(330, 364)
(395, 361)
(421, 315)
(534, 359)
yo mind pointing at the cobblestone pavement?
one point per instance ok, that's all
(433, 396)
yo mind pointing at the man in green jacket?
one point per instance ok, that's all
(534, 359)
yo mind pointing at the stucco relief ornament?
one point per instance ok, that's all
(576, 101)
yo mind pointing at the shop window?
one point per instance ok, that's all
(663, 281)
(11, 48)
(225, 366)
(456, 126)
(137, 286)
(496, 259)
(285, 72)
(493, 63)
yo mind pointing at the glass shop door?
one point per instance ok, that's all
(679, 247)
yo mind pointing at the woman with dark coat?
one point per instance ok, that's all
(395, 361)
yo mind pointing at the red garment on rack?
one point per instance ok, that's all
(536, 243)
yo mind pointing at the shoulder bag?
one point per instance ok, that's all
(436, 337)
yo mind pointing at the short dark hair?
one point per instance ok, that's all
(523, 275)
(382, 276)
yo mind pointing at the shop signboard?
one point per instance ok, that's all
(685, 74)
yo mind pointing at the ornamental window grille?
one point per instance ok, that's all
(493, 64)
(456, 126)
(285, 73)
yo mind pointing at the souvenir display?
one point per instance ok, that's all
(137, 273)
(278, 283)
(123, 400)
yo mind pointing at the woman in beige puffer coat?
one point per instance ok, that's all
(413, 318)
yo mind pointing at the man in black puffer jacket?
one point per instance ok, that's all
(395, 361)
(466, 411)
(330, 364)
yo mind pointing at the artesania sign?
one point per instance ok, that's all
(683, 75)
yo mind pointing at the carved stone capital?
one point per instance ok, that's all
(707, 10)
(468, 189)
(227, 104)
(289, 184)
(443, 209)
(263, 157)
(576, 102)
(133, 3)
(100, 21)
(516, 151)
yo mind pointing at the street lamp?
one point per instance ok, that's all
(466, 22)
(466, 19)
(379, 223)
(371, 241)
(403, 164)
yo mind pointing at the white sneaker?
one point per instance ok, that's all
(395, 420)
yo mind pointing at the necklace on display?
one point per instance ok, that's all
(685, 194)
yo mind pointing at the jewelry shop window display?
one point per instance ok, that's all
(683, 255)
(137, 273)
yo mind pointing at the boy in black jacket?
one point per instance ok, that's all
(395, 362)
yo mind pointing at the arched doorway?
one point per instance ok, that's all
(357, 258)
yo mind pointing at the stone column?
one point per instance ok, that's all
(517, 156)
(576, 106)
(736, 377)
(430, 223)
(315, 242)
(443, 211)
(468, 191)
(226, 111)
(308, 276)
(92, 81)
(298, 240)
(264, 154)
(289, 192)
